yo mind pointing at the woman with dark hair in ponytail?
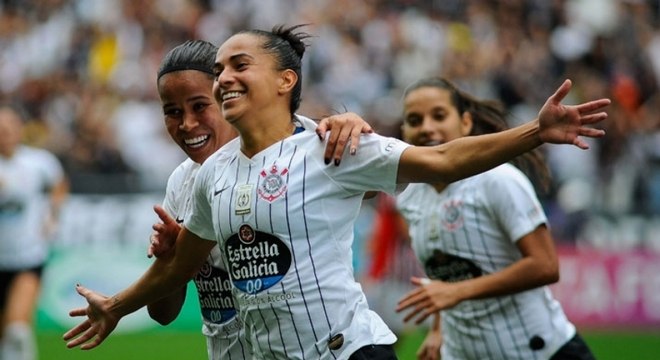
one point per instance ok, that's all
(483, 241)
(284, 220)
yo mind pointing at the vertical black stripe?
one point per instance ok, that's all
(311, 258)
(470, 203)
(294, 258)
(457, 250)
(265, 324)
(499, 300)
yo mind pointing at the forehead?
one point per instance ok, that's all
(240, 44)
(187, 78)
(428, 95)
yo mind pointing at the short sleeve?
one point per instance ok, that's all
(514, 202)
(200, 221)
(374, 168)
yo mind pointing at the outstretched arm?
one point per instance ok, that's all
(162, 278)
(467, 156)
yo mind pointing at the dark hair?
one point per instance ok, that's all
(287, 47)
(191, 55)
(489, 116)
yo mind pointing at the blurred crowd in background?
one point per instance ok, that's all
(84, 72)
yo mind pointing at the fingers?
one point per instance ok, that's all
(94, 343)
(593, 118)
(561, 92)
(82, 339)
(322, 128)
(330, 147)
(408, 300)
(78, 312)
(355, 139)
(339, 143)
(77, 330)
(421, 312)
(591, 132)
(420, 281)
(163, 215)
(593, 105)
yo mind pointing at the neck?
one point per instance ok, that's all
(259, 134)
(439, 187)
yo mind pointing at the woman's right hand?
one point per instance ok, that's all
(430, 348)
(566, 124)
(163, 240)
(99, 324)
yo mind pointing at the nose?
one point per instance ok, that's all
(428, 125)
(224, 78)
(189, 122)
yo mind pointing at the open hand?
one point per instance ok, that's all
(565, 124)
(98, 325)
(428, 298)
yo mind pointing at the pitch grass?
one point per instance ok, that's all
(171, 345)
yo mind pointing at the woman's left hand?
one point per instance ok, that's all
(428, 298)
(345, 129)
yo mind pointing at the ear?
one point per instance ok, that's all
(466, 123)
(288, 79)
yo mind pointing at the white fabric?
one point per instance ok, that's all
(478, 220)
(220, 323)
(18, 342)
(285, 221)
(25, 181)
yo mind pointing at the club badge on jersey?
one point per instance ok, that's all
(273, 184)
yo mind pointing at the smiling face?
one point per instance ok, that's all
(192, 117)
(248, 81)
(430, 118)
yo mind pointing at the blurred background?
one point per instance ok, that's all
(84, 72)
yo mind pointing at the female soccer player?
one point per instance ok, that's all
(195, 123)
(284, 220)
(33, 187)
(484, 242)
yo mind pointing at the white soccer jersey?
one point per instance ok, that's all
(220, 322)
(284, 221)
(468, 230)
(25, 181)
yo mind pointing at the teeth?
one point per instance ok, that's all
(231, 95)
(196, 141)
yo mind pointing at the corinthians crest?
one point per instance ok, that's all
(272, 183)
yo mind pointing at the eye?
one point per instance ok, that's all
(413, 120)
(439, 116)
(200, 106)
(171, 112)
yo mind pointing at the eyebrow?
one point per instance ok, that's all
(192, 99)
(218, 65)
